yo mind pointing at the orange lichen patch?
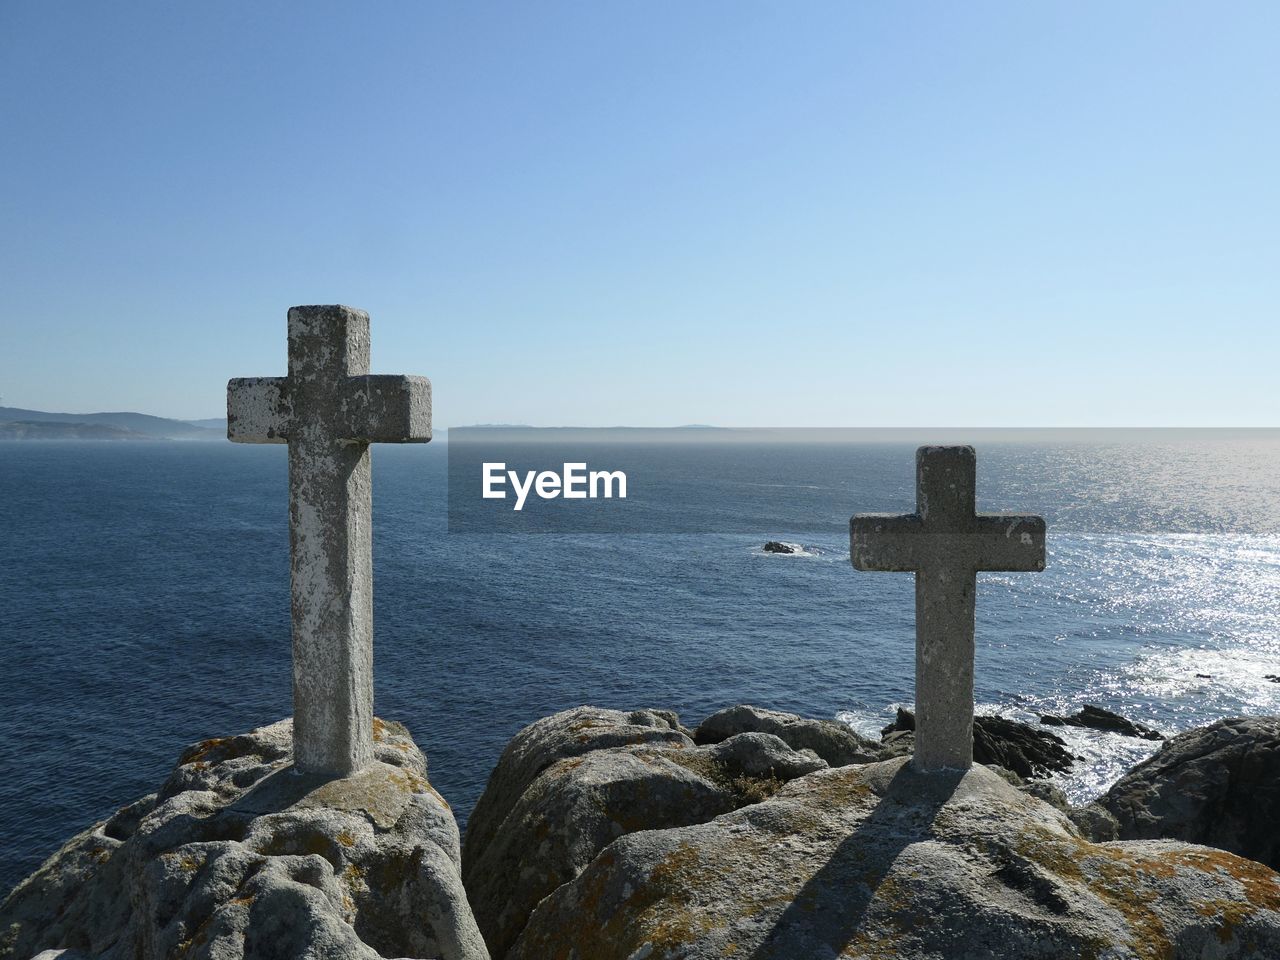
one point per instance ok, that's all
(380, 731)
(99, 854)
(1118, 880)
(841, 789)
(1129, 882)
(1261, 884)
(353, 875)
(202, 749)
(412, 782)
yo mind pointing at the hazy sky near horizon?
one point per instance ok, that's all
(819, 214)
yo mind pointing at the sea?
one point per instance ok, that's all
(144, 604)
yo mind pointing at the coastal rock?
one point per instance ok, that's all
(1098, 719)
(833, 742)
(569, 733)
(777, 546)
(997, 742)
(238, 856)
(584, 800)
(1217, 785)
(1091, 820)
(876, 861)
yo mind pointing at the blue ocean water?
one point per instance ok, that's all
(144, 604)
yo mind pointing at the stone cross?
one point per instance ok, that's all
(329, 409)
(945, 543)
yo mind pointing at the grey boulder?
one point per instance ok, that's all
(1217, 785)
(238, 856)
(569, 733)
(876, 861)
(582, 800)
(833, 742)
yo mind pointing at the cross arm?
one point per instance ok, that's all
(1007, 541)
(384, 408)
(885, 541)
(258, 410)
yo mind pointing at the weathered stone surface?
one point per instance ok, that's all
(587, 798)
(1092, 821)
(833, 742)
(239, 856)
(997, 742)
(1099, 719)
(878, 861)
(945, 543)
(329, 409)
(1217, 785)
(569, 733)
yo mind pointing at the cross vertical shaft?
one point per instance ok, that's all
(944, 668)
(330, 547)
(329, 409)
(945, 543)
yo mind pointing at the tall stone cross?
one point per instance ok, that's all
(329, 409)
(945, 543)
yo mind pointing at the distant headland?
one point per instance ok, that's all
(19, 424)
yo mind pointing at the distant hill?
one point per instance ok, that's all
(128, 425)
(57, 430)
(213, 423)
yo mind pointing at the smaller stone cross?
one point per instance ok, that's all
(329, 409)
(945, 543)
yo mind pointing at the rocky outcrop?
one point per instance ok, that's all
(238, 856)
(777, 546)
(876, 861)
(569, 733)
(833, 742)
(997, 742)
(1098, 719)
(1217, 785)
(589, 777)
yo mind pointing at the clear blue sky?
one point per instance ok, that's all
(653, 213)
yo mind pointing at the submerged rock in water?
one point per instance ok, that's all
(832, 741)
(239, 856)
(997, 742)
(599, 776)
(777, 546)
(1218, 785)
(1097, 718)
(874, 860)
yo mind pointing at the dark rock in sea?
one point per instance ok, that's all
(777, 546)
(998, 742)
(1098, 719)
(905, 720)
(1217, 785)
(1272, 677)
(581, 800)
(237, 856)
(875, 861)
(833, 742)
